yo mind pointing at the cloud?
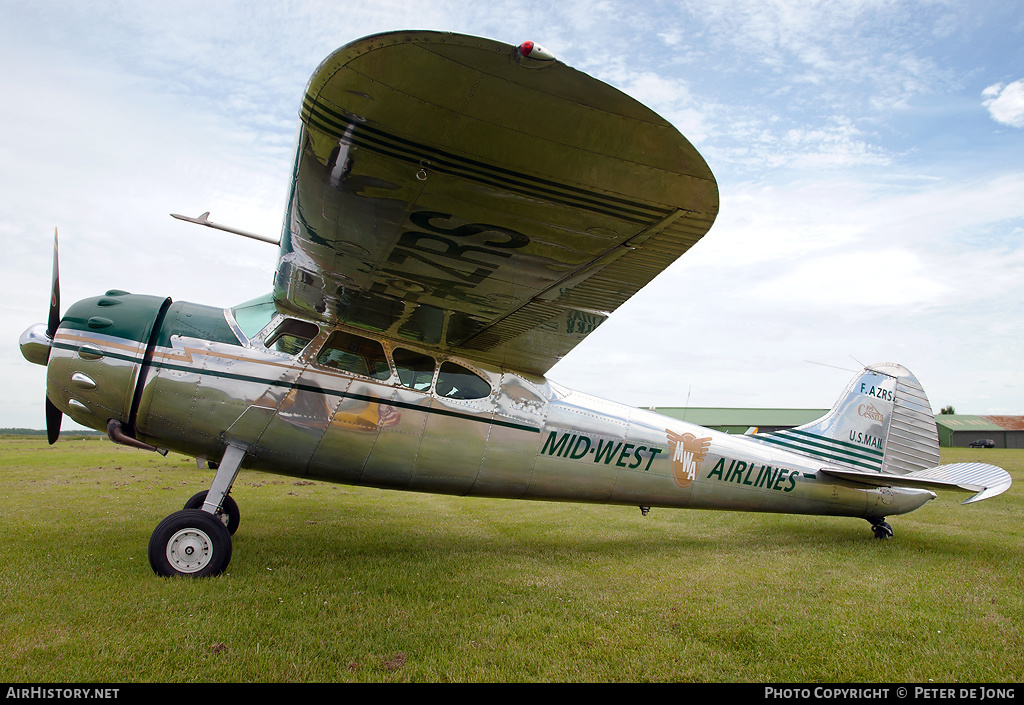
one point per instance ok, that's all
(1005, 103)
(834, 143)
(868, 53)
(824, 269)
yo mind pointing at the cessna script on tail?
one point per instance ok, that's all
(462, 214)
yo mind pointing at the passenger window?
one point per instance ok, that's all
(457, 382)
(415, 370)
(292, 336)
(353, 353)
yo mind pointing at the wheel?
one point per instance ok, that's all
(882, 530)
(228, 512)
(191, 543)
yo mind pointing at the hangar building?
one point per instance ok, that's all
(740, 420)
(962, 430)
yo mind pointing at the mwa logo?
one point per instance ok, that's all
(688, 452)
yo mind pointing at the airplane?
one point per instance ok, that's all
(462, 214)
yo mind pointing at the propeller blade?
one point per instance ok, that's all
(53, 419)
(54, 320)
(53, 414)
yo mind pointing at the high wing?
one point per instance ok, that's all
(455, 192)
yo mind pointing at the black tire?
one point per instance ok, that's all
(228, 512)
(883, 530)
(190, 543)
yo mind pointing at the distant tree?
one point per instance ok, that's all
(947, 410)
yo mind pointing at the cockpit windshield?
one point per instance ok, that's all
(253, 316)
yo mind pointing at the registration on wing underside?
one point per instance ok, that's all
(421, 211)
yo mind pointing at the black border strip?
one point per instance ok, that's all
(382, 142)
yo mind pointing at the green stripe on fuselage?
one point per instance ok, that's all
(853, 447)
(828, 451)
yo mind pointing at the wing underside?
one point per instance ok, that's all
(451, 192)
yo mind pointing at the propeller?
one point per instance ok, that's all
(53, 419)
(53, 414)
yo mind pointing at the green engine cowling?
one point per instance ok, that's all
(98, 354)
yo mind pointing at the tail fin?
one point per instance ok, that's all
(881, 432)
(883, 423)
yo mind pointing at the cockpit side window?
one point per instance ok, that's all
(354, 354)
(253, 316)
(415, 370)
(292, 336)
(457, 382)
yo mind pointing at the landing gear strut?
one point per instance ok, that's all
(881, 528)
(196, 541)
(228, 512)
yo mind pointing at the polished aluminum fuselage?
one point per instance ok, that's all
(529, 439)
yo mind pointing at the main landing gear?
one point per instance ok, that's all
(881, 528)
(196, 541)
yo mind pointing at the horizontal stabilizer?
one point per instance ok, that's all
(983, 479)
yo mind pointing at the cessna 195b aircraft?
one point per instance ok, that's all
(462, 214)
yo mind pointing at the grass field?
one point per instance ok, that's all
(335, 583)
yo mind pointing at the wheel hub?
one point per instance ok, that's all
(189, 550)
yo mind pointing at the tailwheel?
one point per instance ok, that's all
(190, 543)
(228, 512)
(881, 528)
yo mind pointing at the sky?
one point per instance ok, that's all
(869, 156)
